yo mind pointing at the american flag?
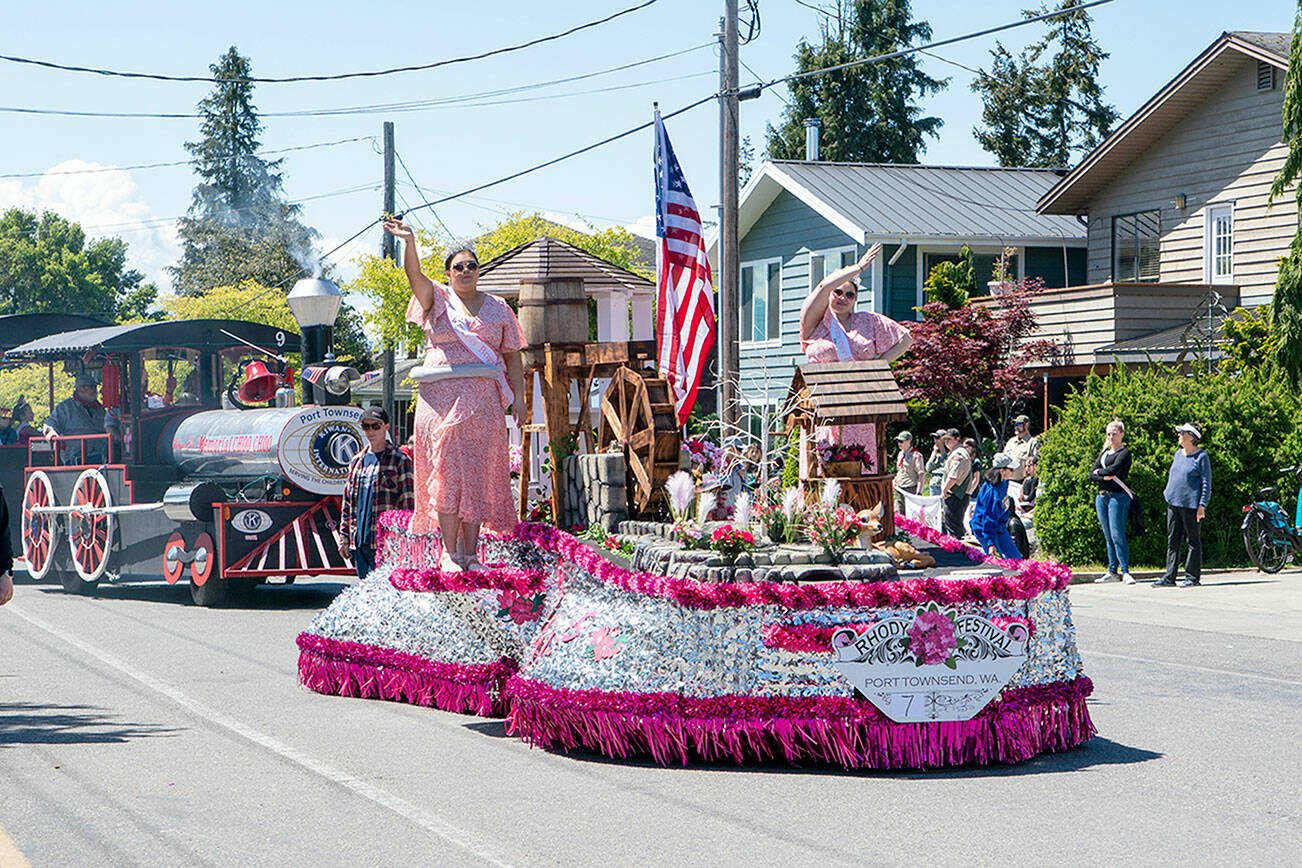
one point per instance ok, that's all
(685, 293)
(313, 374)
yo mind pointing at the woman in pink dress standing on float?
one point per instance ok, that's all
(831, 330)
(470, 377)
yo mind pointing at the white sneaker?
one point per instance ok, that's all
(1128, 578)
(1109, 577)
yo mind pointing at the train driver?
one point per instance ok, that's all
(80, 414)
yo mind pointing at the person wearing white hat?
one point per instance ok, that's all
(990, 513)
(910, 470)
(1188, 490)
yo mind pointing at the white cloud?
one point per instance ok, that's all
(645, 226)
(106, 204)
(573, 221)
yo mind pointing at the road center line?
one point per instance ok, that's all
(1195, 668)
(436, 826)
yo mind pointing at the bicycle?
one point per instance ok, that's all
(1268, 535)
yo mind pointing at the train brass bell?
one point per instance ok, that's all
(260, 384)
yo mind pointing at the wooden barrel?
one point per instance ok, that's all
(556, 311)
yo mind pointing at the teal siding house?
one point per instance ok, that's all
(802, 219)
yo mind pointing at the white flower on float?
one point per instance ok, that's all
(681, 489)
(830, 496)
(741, 511)
(791, 503)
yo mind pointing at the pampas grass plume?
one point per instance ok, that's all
(790, 503)
(831, 493)
(741, 511)
(681, 489)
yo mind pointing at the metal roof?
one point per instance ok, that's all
(19, 328)
(197, 334)
(1157, 117)
(914, 201)
(546, 259)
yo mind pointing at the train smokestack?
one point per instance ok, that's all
(315, 303)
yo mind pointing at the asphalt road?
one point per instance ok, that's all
(136, 729)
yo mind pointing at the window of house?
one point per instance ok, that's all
(1219, 244)
(1136, 243)
(824, 262)
(761, 301)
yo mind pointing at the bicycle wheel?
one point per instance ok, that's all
(1268, 552)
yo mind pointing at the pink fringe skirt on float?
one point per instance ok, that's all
(577, 652)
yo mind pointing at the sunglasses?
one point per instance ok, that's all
(466, 266)
(372, 426)
(845, 293)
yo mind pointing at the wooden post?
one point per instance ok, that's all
(556, 406)
(526, 444)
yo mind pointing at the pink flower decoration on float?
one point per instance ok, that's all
(931, 638)
(606, 642)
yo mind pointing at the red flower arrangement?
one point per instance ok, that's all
(834, 530)
(731, 542)
(844, 452)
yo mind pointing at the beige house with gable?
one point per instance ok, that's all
(1176, 202)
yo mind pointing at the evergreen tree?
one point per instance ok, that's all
(239, 226)
(1045, 107)
(869, 112)
(1286, 307)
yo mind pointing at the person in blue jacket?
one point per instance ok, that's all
(1188, 489)
(990, 513)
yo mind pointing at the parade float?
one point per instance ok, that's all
(778, 635)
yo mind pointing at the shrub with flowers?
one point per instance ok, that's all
(692, 535)
(517, 460)
(834, 529)
(932, 639)
(731, 542)
(541, 512)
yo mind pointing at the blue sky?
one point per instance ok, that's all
(449, 148)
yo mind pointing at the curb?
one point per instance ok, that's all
(1142, 575)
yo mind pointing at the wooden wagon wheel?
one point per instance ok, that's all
(637, 413)
(40, 530)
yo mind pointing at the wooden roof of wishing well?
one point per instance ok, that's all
(846, 393)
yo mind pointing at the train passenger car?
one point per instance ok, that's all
(207, 473)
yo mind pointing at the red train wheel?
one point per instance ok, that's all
(173, 566)
(90, 534)
(40, 530)
(205, 559)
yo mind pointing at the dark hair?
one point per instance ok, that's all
(993, 476)
(459, 247)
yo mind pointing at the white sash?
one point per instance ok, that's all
(431, 373)
(459, 318)
(839, 338)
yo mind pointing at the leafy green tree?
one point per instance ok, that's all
(1249, 339)
(46, 264)
(869, 112)
(1286, 307)
(952, 283)
(1045, 107)
(239, 227)
(386, 286)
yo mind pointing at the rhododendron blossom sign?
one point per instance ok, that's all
(935, 665)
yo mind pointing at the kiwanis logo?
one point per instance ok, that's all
(933, 665)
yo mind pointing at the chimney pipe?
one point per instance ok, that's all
(811, 138)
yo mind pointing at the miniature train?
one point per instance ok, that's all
(191, 480)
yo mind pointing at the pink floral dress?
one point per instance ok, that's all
(461, 450)
(871, 337)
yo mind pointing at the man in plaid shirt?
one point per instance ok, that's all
(379, 478)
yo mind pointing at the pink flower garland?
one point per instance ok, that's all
(1031, 579)
(496, 578)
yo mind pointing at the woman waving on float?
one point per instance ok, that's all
(471, 375)
(831, 330)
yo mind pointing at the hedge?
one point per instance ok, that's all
(1250, 429)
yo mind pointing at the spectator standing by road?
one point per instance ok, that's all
(1112, 502)
(910, 470)
(6, 554)
(1188, 490)
(379, 478)
(935, 466)
(1022, 447)
(954, 496)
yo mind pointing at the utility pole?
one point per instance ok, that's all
(389, 250)
(729, 248)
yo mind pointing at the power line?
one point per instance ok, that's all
(905, 51)
(184, 162)
(337, 76)
(463, 101)
(420, 192)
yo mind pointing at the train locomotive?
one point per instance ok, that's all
(210, 471)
